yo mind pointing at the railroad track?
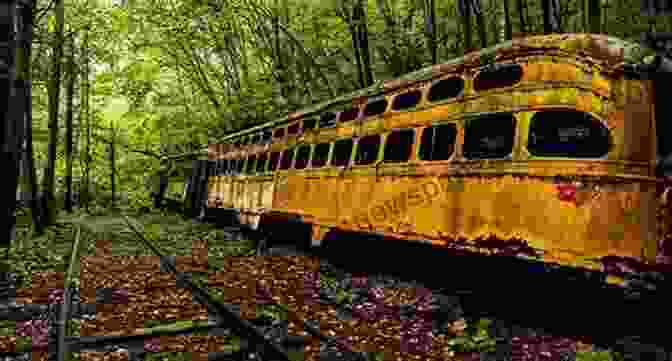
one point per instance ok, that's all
(447, 277)
(257, 342)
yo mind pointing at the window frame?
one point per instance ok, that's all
(270, 161)
(356, 161)
(593, 119)
(418, 147)
(291, 162)
(356, 110)
(410, 153)
(333, 119)
(333, 152)
(281, 130)
(364, 114)
(493, 68)
(314, 151)
(428, 96)
(513, 139)
(312, 119)
(405, 109)
(241, 165)
(297, 126)
(250, 168)
(263, 169)
(296, 155)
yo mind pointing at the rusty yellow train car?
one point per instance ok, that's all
(542, 143)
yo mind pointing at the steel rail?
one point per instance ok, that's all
(265, 347)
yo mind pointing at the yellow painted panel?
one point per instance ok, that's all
(508, 207)
(226, 192)
(267, 195)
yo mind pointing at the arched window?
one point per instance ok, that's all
(490, 136)
(446, 88)
(567, 133)
(398, 146)
(367, 149)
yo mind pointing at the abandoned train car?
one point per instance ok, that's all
(542, 142)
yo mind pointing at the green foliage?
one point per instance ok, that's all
(476, 338)
(272, 312)
(598, 356)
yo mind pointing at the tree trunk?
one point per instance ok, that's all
(480, 22)
(68, 128)
(85, 194)
(9, 151)
(29, 164)
(54, 92)
(430, 29)
(464, 10)
(355, 45)
(113, 171)
(594, 16)
(508, 30)
(521, 15)
(363, 41)
(551, 9)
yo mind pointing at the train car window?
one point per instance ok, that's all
(446, 88)
(342, 152)
(348, 115)
(279, 133)
(327, 120)
(375, 107)
(293, 129)
(267, 136)
(261, 163)
(286, 161)
(320, 155)
(256, 138)
(221, 167)
(489, 136)
(498, 76)
(398, 146)
(241, 163)
(251, 164)
(367, 149)
(233, 165)
(273, 163)
(567, 133)
(309, 123)
(406, 100)
(302, 157)
(438, 142)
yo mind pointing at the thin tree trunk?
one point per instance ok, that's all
(430, 29)
(508, 29)
(355, 45)
(9, 150)
(113, 171)
(551, 9)
(38, 228)
(363, 40)
(85, 195)
(54, 92)
(521, 15)
(464, 8)
(480, 22)
(68, 128)
(594, 16)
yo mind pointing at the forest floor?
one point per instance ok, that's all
(113, 261)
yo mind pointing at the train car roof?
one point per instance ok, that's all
(606, 52)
